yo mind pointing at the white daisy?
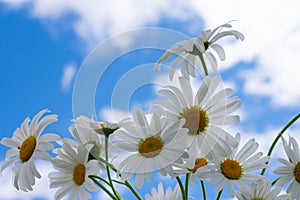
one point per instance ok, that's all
(181, 168)
(234, 168)
(150, 143)
(73, 171)
(262, 190)
(205, 113)
(159, 194)
(27, 144)
(178, 169)
(88, 132)
(85, 124)
(190, 51)
(291, 170)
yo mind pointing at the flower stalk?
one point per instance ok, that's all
(181, 188)
(203, 189)
(108, 170)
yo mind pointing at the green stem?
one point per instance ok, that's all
(203, 189)
(108, 170)
(219, 195)
(181, 187)
(277, 138)
(187, 181)
(137, 195)
(107, 164)
(273, 183)
(102, 187)
(119, 182)
(100, 178)
(203, 63)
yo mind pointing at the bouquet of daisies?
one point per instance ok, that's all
(182, 137)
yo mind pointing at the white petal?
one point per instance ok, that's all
(175, 64)
(220, 51)
(43, 123)
(33, 124)
(9, 143)
(187, 90)
(49, 137)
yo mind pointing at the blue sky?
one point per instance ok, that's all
(44, 43)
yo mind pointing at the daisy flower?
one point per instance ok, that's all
(178, 169)
(291, 170)
(73, 169)
(159, 194)
(181, 168)
(27, 144)
(85, 124)
(87, 132)
(149, 143)
(261, 190)
(204, 113)
(234, 167)
(190, 52)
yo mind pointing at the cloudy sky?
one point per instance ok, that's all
(44, 46)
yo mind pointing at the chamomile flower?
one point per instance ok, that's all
(88, 132)
(178, 169)
(84, 135)
(160, 194)
(291, 170)
(190, 51)
(262, 190)
(234, 168)
(26, 144)
(85, 124)
(204, 112)
(150, 143)
(73, 169)
(181, 168)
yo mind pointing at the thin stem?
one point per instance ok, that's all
(102, 187)
(187, 181)
(203, 63)
(219, 195)
(108, 170)
(273, 183)
(203, 189)
(181, 187)
(137, 195)
(119, 182)
(277, 138)
(107, 164)
(100, 178)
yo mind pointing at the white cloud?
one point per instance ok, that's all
(100, 19)
(67, 77)
(14, 3)
(40, 190)
(112, 115)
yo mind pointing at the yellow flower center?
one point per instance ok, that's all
(79, 174)
(199, 162)
(297, 172)
(231, 169)
(196, 119)
(101, 124)
(27, 148)
(257, 198)
(151, 146)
